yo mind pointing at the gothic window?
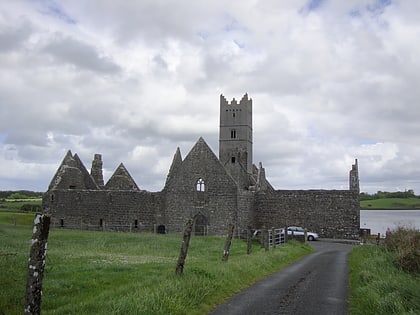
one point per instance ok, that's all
(233, 134)
(200, 185)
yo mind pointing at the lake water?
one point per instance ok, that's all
(379, 220)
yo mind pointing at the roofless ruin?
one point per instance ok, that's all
(213, 191)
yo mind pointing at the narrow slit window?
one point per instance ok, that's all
(233, 134)
(200, 185)
(136, 223)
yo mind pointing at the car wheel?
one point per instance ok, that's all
(310, 238)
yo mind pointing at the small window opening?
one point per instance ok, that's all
(200, 185)
(52, 197)
(233, 115)
(61, 222)
(101, 222)
(233, 159)
(72, 187)
(136, 223)
(233, 134)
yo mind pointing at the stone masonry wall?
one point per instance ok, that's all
(103, 210)
(330, 213)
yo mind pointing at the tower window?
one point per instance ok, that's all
(233, 115)
(233, 159)
(200, 185)
(233, 134)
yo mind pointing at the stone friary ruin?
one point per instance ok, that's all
(213, 191)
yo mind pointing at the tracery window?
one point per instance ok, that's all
(200, 185)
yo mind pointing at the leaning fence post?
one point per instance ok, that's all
(248, 240)
(228, 242)
(184, 248)
(36, 264)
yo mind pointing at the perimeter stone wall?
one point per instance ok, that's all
(330, 213)
(104, 210)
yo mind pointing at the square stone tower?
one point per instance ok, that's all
(235, 135)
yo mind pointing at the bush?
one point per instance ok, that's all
(405, 242)
(31, 207)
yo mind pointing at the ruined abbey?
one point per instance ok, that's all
(213, 191)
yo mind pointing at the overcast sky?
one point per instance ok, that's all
(331, 81)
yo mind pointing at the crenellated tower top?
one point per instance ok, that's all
(235, 134)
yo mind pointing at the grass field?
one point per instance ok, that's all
(391, 203)
(378, 286)
(123, 273)
(16, 205)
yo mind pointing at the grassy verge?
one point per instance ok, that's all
(123, 273)
(390, 203)
(378, 286)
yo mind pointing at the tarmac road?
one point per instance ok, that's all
(317, 284)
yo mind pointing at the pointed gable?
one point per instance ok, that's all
(121, 180)
(175, 166)
(200, 164)
(72, 174)
(88, 181)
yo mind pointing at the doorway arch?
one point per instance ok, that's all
(200, 224)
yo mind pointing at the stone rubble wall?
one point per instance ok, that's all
(330, 213)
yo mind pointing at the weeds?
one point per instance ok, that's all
(405, 243)
(379, 279)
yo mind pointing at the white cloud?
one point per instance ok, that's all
(331, 81)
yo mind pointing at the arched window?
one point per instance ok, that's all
(200, 185)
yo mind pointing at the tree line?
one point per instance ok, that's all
(19, 194)
(385, 194)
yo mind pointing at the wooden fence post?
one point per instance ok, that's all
(228, 242)
(36, 264)
(273, 237)
(248, 240)
(184, 248)
(266, 239)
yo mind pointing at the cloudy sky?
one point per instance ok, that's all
(331, 81)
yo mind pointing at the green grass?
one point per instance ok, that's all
(122, 273)
(391, 203)
(16, 205)
(378, 286)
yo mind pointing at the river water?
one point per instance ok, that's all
(378, 221)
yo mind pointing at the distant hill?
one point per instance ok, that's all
(390, 203)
